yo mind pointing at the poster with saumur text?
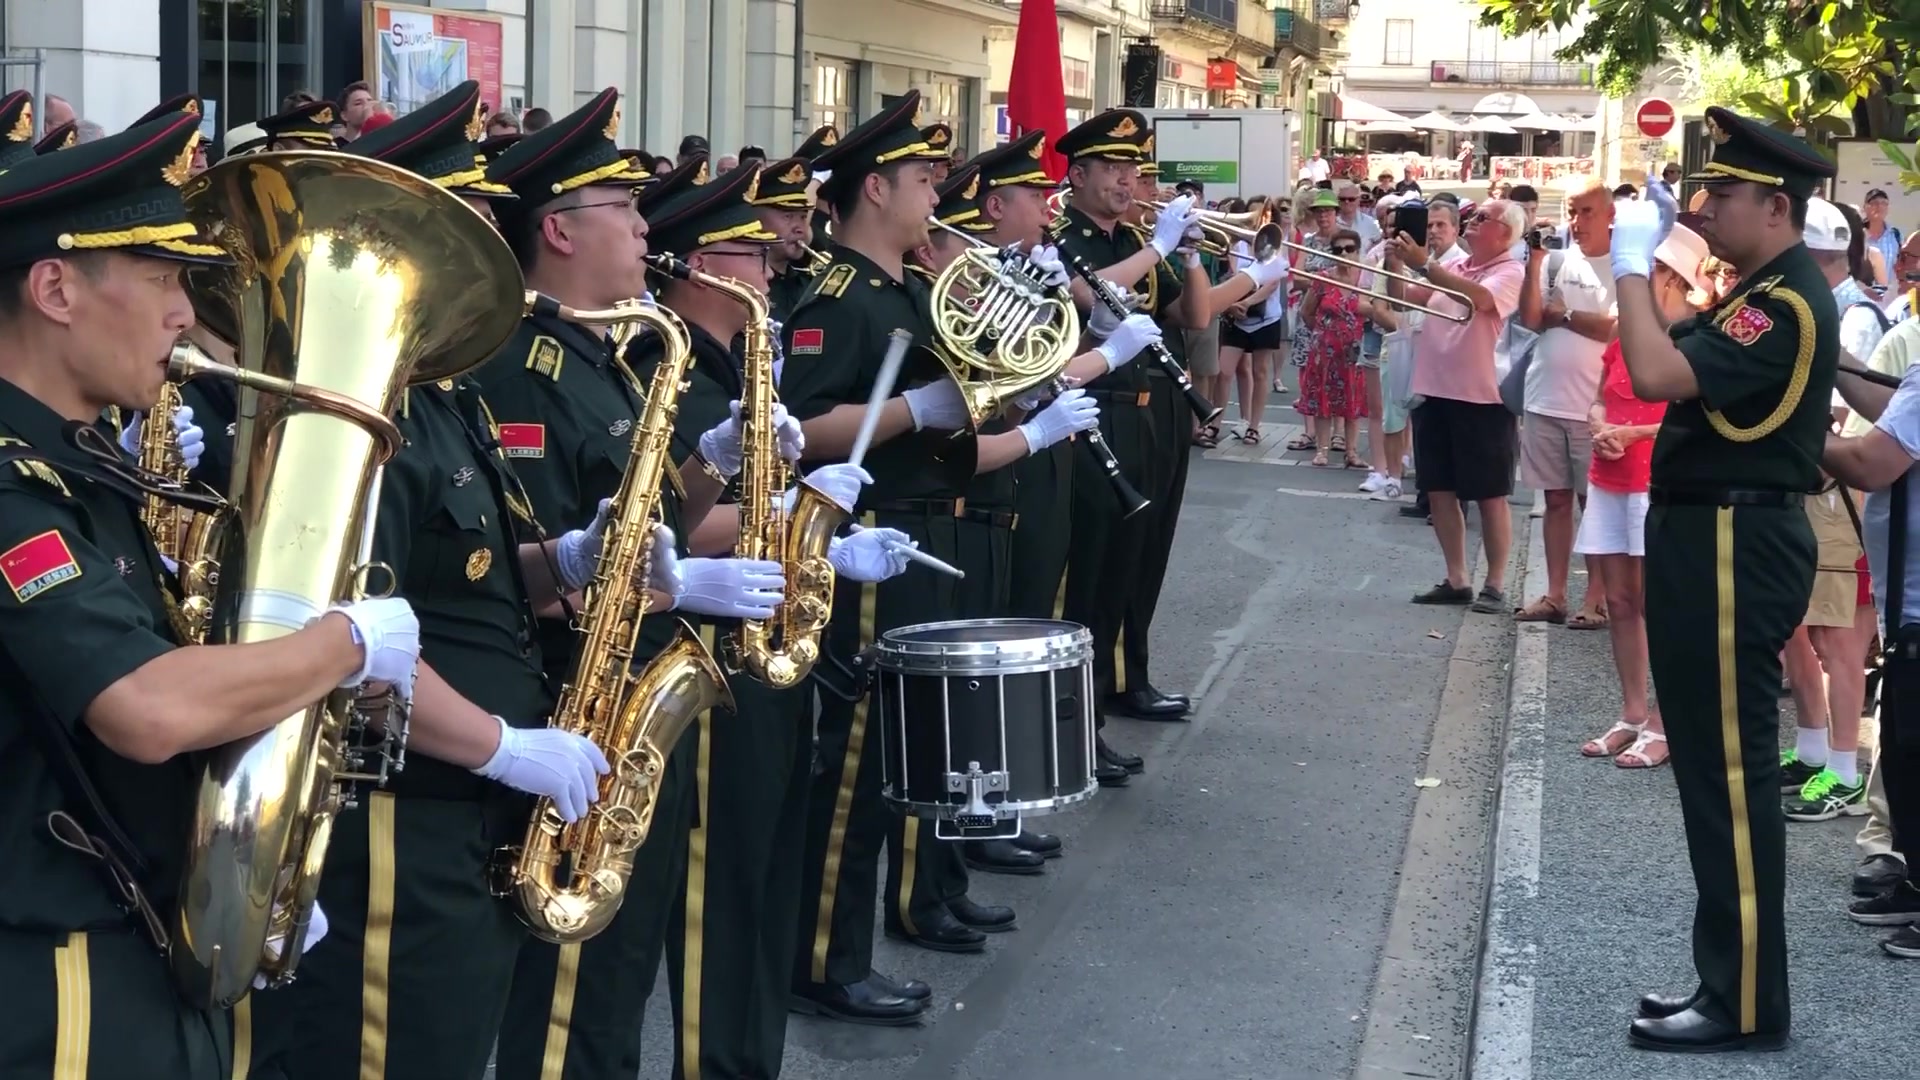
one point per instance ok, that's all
(415, 54)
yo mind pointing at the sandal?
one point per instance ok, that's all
(1605, 746)
(1545, 609)
(1640, 755)
(1320, 458)
(1251, 436)
(1354, 462)
(1208, 436)
(1302, 441)
(1339, 444)
(1584, 621)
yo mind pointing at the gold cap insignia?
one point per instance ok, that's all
(612, 130)
(445, 384)
(23, 124)
(831, 138)
(68, 143)
(753, 186)
(479, 563)
(180, 169)
(1039, 149)
(937, 137)
(192, 106)
(700, 175)
(1124, 128)
(1718, 134)
(324, 116)
(1147, 147)
(973, 186)
(794, 175)
(477, 122)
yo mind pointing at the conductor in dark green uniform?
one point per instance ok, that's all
(106, 707)
(414, 977)
(566, 408)
(1730, 556)
(731, 943)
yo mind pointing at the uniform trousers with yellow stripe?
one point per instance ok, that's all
(102, 1006)
(1172, 426)
(1105, 563)
(575, 1010)
(1043, 535)
(847, 819)
(730, 942)
(1726, 586)
(411, 981)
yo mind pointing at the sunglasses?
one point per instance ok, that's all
(1349, 198)
(1344, 249)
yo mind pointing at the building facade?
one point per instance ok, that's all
(1092, 46)
(760, 72)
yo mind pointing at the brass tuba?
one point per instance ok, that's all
(567, 881)
(353, 279)
(178, 533)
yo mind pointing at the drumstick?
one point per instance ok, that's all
(897, 343)
(919, 556)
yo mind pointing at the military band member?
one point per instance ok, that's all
(881, 193)
(939, 151)
(566, 407)
(785, 198)
(306, 125)
(106, 707)
(731, 944)
(824, 138)
(1730, 555)
(414, 977)
(62, 137)
(16, 129)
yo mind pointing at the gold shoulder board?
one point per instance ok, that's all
(545, 357)
(36, 470)
(839, 276)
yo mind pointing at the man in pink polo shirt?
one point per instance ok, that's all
(1464, 439)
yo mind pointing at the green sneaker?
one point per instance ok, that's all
(1824, 798)
(1795, 773)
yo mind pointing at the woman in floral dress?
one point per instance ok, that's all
(1332, 385)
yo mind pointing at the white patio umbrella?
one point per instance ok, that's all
(1492, 125)
(1381, 127)
(1538, 122)
(1433, 121)
(1353, 110)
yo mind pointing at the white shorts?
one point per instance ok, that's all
(1614, 523)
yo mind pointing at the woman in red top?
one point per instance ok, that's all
(1613, 529)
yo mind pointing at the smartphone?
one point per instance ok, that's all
(1411, 218)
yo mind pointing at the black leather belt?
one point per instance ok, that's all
(954, 508)
(1137, 398)
(1769, 497)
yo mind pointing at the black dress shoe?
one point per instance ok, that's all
(1146, 705)
(1878, 874)
(860, 1003)
(1107, 755)
(1182, 700)
(941, 932)
(986, 918)
(1001, 857)
(1691, 1031)
(1045, 845)
(912, 989)
(1661, 1006)
(1110, 775)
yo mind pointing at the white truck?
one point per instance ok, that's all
(1233, 152)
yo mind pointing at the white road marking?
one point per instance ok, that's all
(1311, 494)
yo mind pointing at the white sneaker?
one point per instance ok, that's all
(1373, 482)
(1389, 491)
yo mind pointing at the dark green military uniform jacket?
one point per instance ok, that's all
(566, 411)
(835, 342)
(1765, 359)
(786, 289)
(449, 529)
(87, 601)
(216, 408)
(1157, 292)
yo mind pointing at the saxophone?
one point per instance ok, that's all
(567, 881)
(778, 652)
(179, 534)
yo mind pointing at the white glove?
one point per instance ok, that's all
(728, 588)
(560, 765)
(577, 554)
(1266, 273)
(1170, 225)
(841, 483)
(1102, 322)
(721, 445)
(1070, 412)
(937, 405)
(1030, 400)
(186, 435)
(316, 929)
(1138, 332)
(869, 555)
(1638, 228)
(1046, 258)
(388, 634)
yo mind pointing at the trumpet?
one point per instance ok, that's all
(817, 260)
(1222, 231)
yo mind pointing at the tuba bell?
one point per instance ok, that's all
(353, 280)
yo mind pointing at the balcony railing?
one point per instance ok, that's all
(1511, 73)
(1224, 14)
(1297, 27)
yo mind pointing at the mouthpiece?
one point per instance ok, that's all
(670, 266)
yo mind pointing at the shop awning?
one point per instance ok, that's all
(1352, 109)
(1434, 121)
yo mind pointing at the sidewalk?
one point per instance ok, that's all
(1592, 898)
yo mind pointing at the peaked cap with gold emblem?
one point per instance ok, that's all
(824, 138)
(961, 197)
(310, 123)
(16, 125)
(187, 103)
(690, 173)
(696, 216)
(120, 193)
(573, 152)
(1020, 163)
(783, 185)
(1114, 135)
(436, 141)
(889, 137)
(1748, 151)
(939, 140)
(492, 148)
(64, 137)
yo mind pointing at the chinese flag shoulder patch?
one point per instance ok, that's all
(1748, 324)
(31, 567)
(808, 342)
(524, 440)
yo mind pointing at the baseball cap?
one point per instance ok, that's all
(1827, 228)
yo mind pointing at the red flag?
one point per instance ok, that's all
(1037, 90)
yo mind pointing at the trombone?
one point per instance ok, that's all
(1220, 231)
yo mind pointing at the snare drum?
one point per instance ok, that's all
(982, 720)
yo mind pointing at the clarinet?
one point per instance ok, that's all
(1104, 294)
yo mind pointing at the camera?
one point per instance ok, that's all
(1544, 238)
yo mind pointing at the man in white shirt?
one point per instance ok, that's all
(1573, 312)
(1862, 322)
(1352, 216)
(1317, 168)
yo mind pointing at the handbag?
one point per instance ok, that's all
(1519, 343)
